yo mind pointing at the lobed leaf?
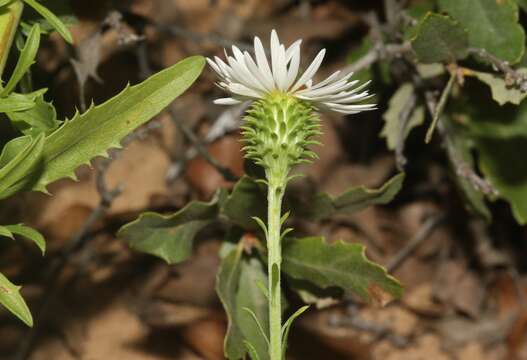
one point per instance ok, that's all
(41, 117)
(323, 206)
(340, 265)
(170, 237)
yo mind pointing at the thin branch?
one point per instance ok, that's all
(422, 234)
(379, 52)
(513, 78)
(438, 110)
(200, 148)
(379, 331)
(462, 168)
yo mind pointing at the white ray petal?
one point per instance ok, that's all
(275, 53)
(311, 70)
(227, 101)
(281, 69)
(261, 60)
(243, 90)
(292, 49)
(255, 70)
(294, 66)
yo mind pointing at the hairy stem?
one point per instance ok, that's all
(274, 197)
(9, 19)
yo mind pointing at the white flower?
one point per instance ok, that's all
(246, 79)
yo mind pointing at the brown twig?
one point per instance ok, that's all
(422, 234)
(513, 78)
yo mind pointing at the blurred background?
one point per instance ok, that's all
(93, 298)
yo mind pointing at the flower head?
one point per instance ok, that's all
(247, 79)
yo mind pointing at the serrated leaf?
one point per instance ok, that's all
(246, 201)
(323, 206)
(392, 129)
(227, 280)
(25, 59)
(27, 232)
(92, 133)
(491, 25)
(340, 265)
(20, 160)
(11, 299)
(501, 93)
(439, 38)
(52, 19)
(42, 117)
(170, 237)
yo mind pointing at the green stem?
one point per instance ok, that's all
(274, 197)
(9, 18)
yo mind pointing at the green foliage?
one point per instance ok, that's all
(26, 232)
(41, 117)
(20, 161)
(227, 281)
(501, 92)
(246, 201)
(92, 133)
(323, 206)
(395, 130)
(11, 299)
(491, 25)
(52, 19)
(170, 237)
(25, 60)
(440, 39)
(339, 264)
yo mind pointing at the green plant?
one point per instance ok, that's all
(278, 131)
(47, 149)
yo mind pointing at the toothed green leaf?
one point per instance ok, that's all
(101, 127)
(170, 237)
(323, 206)
(341, 265)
